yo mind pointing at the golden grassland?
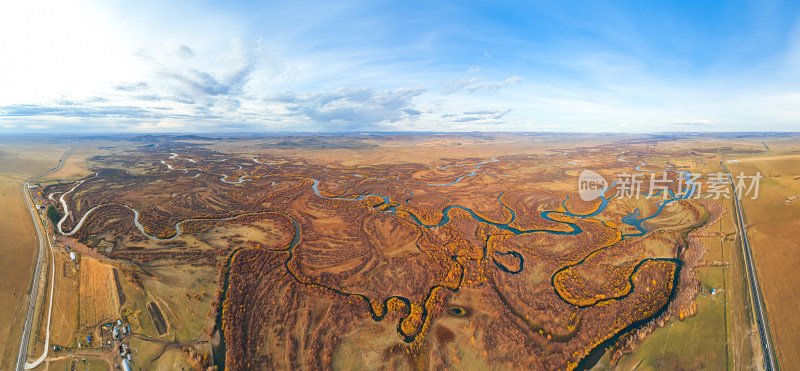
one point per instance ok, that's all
(135, 308)
(158, 356)
(18, 237)
(423, 148)
(773, 221)
(66, 362)
(74, 167)
(65, 301)
(184, 294)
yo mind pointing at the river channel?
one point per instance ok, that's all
(634, 219)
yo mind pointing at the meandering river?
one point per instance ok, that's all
(634, 219)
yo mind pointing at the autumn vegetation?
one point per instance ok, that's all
(384, 253)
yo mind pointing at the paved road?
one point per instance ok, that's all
(770, 360)
(34, 291)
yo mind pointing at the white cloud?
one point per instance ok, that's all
(183, 51)
(352, 108)
(93, 65)
(475, 84)
(484, 116)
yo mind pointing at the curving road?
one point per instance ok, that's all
(34, 290)
(770, 360)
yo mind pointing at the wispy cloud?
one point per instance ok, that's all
(483, 116)
(474, 84)
(701, 124)
(78, 110)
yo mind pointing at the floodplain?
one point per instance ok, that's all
(409, 251)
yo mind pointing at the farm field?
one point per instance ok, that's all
(99, 299)
(351, 252)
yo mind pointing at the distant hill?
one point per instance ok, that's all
(149, 138)
(322, 143)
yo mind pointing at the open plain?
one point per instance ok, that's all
(772, 218)
(18, 162)
(376, 250)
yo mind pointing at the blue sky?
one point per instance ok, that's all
(168, 66)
